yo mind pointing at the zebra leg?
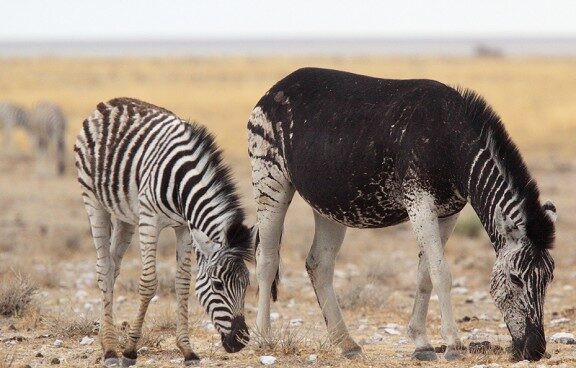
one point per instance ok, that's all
(417, 325)
(7, 136)
(100, 224)
(271, 214)
(320, 262)
(183, 276)
(425, 223)
(121, 238)
(148, 232)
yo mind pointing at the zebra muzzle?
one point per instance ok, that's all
(238, 338)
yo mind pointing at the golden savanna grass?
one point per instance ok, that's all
(45, 239)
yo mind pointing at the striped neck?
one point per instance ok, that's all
(492, 186)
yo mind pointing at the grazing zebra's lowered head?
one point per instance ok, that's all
(521, 273)
(222, 280)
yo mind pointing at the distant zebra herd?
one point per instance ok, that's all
(45, 125)
(363, 152)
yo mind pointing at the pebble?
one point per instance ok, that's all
(154, 298)
(81, 294)
(391, 331)
(86, 340)
(312, 357)
(58, 343)
(274, 316)
(267, 359)
(459, 290)
(143, 350)
(55, 361)
(296, 322)
(563, 338)
(121, 299)
(559, 321)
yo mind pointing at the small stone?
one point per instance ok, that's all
(55, 361)
(296, 322)
(312, 357)
(57, 343)
(39, 355)
(391, 331)
(459, 291)
(559, 321)
(154, 298)
(143, 350)
(86, 340)
(267, 359)
(274, 316)
(121, 299)
(377, 337)
(563, 338)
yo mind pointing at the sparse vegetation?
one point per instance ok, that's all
(70, 324)
(16, 295)
(288, 340)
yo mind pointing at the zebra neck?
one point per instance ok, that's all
(490, 186)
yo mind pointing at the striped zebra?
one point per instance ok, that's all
(48, 125)
(147, 167)
(11, 116)
(369, 153)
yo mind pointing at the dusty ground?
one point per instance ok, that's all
(44, 234)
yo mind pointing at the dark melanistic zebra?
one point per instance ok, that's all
(12, 116)
(369, 153)
(48, 125)
(147, 167)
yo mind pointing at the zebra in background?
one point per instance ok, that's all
(48, 124)
(12, 116)
(147, 167)
(369, 153)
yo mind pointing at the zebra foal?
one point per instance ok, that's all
(367, 153)
(145, 166)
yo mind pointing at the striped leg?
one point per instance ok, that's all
(425, 223)
(328, 237)
(100, 224)
(121, 238)
(183, 276)
(417, 325)
(148, 232)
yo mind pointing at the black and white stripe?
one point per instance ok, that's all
(48, 125)
(147, 167)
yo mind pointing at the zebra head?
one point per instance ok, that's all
(222, 280)
(521, 273)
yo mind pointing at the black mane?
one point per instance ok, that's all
(487, 124)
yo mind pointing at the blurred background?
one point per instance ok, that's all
(210, 61)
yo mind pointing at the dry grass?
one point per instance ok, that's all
(289, 340)
(16, 296)
(72, 325)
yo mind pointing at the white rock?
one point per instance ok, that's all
(362, 327)
(58, 343)
(143, 350)
(86, 340)
(175, 361)
(502, 325)
(483, 317)
(267, 359)
(296, 322)
(291, 303)
(81, 294)
(559, 321)
(121, 299)
(377, 337)
(274, 316)
(563, 338)
(391, 331)
(312, 357)
(459, 290)
(154, 298)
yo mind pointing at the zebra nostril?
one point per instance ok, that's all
(239, 336)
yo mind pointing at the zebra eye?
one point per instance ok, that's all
(516, 280)
(218, 285)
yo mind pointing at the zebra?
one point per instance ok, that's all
(366, 152)
(12, 116)
(147, 167)
(48, 125)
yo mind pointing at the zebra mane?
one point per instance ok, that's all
(489, 127)
(238, 236)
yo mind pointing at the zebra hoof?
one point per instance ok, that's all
(425, 355)
(452, 354)
(128, 362)
(111, 362)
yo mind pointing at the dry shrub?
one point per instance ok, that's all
(289, 340)
(72, 324)
(16, 296)
(164, 321)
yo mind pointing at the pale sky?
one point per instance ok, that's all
(198, 19)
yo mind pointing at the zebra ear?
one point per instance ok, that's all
(550, 210)
(506, 226)
(204, 244)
